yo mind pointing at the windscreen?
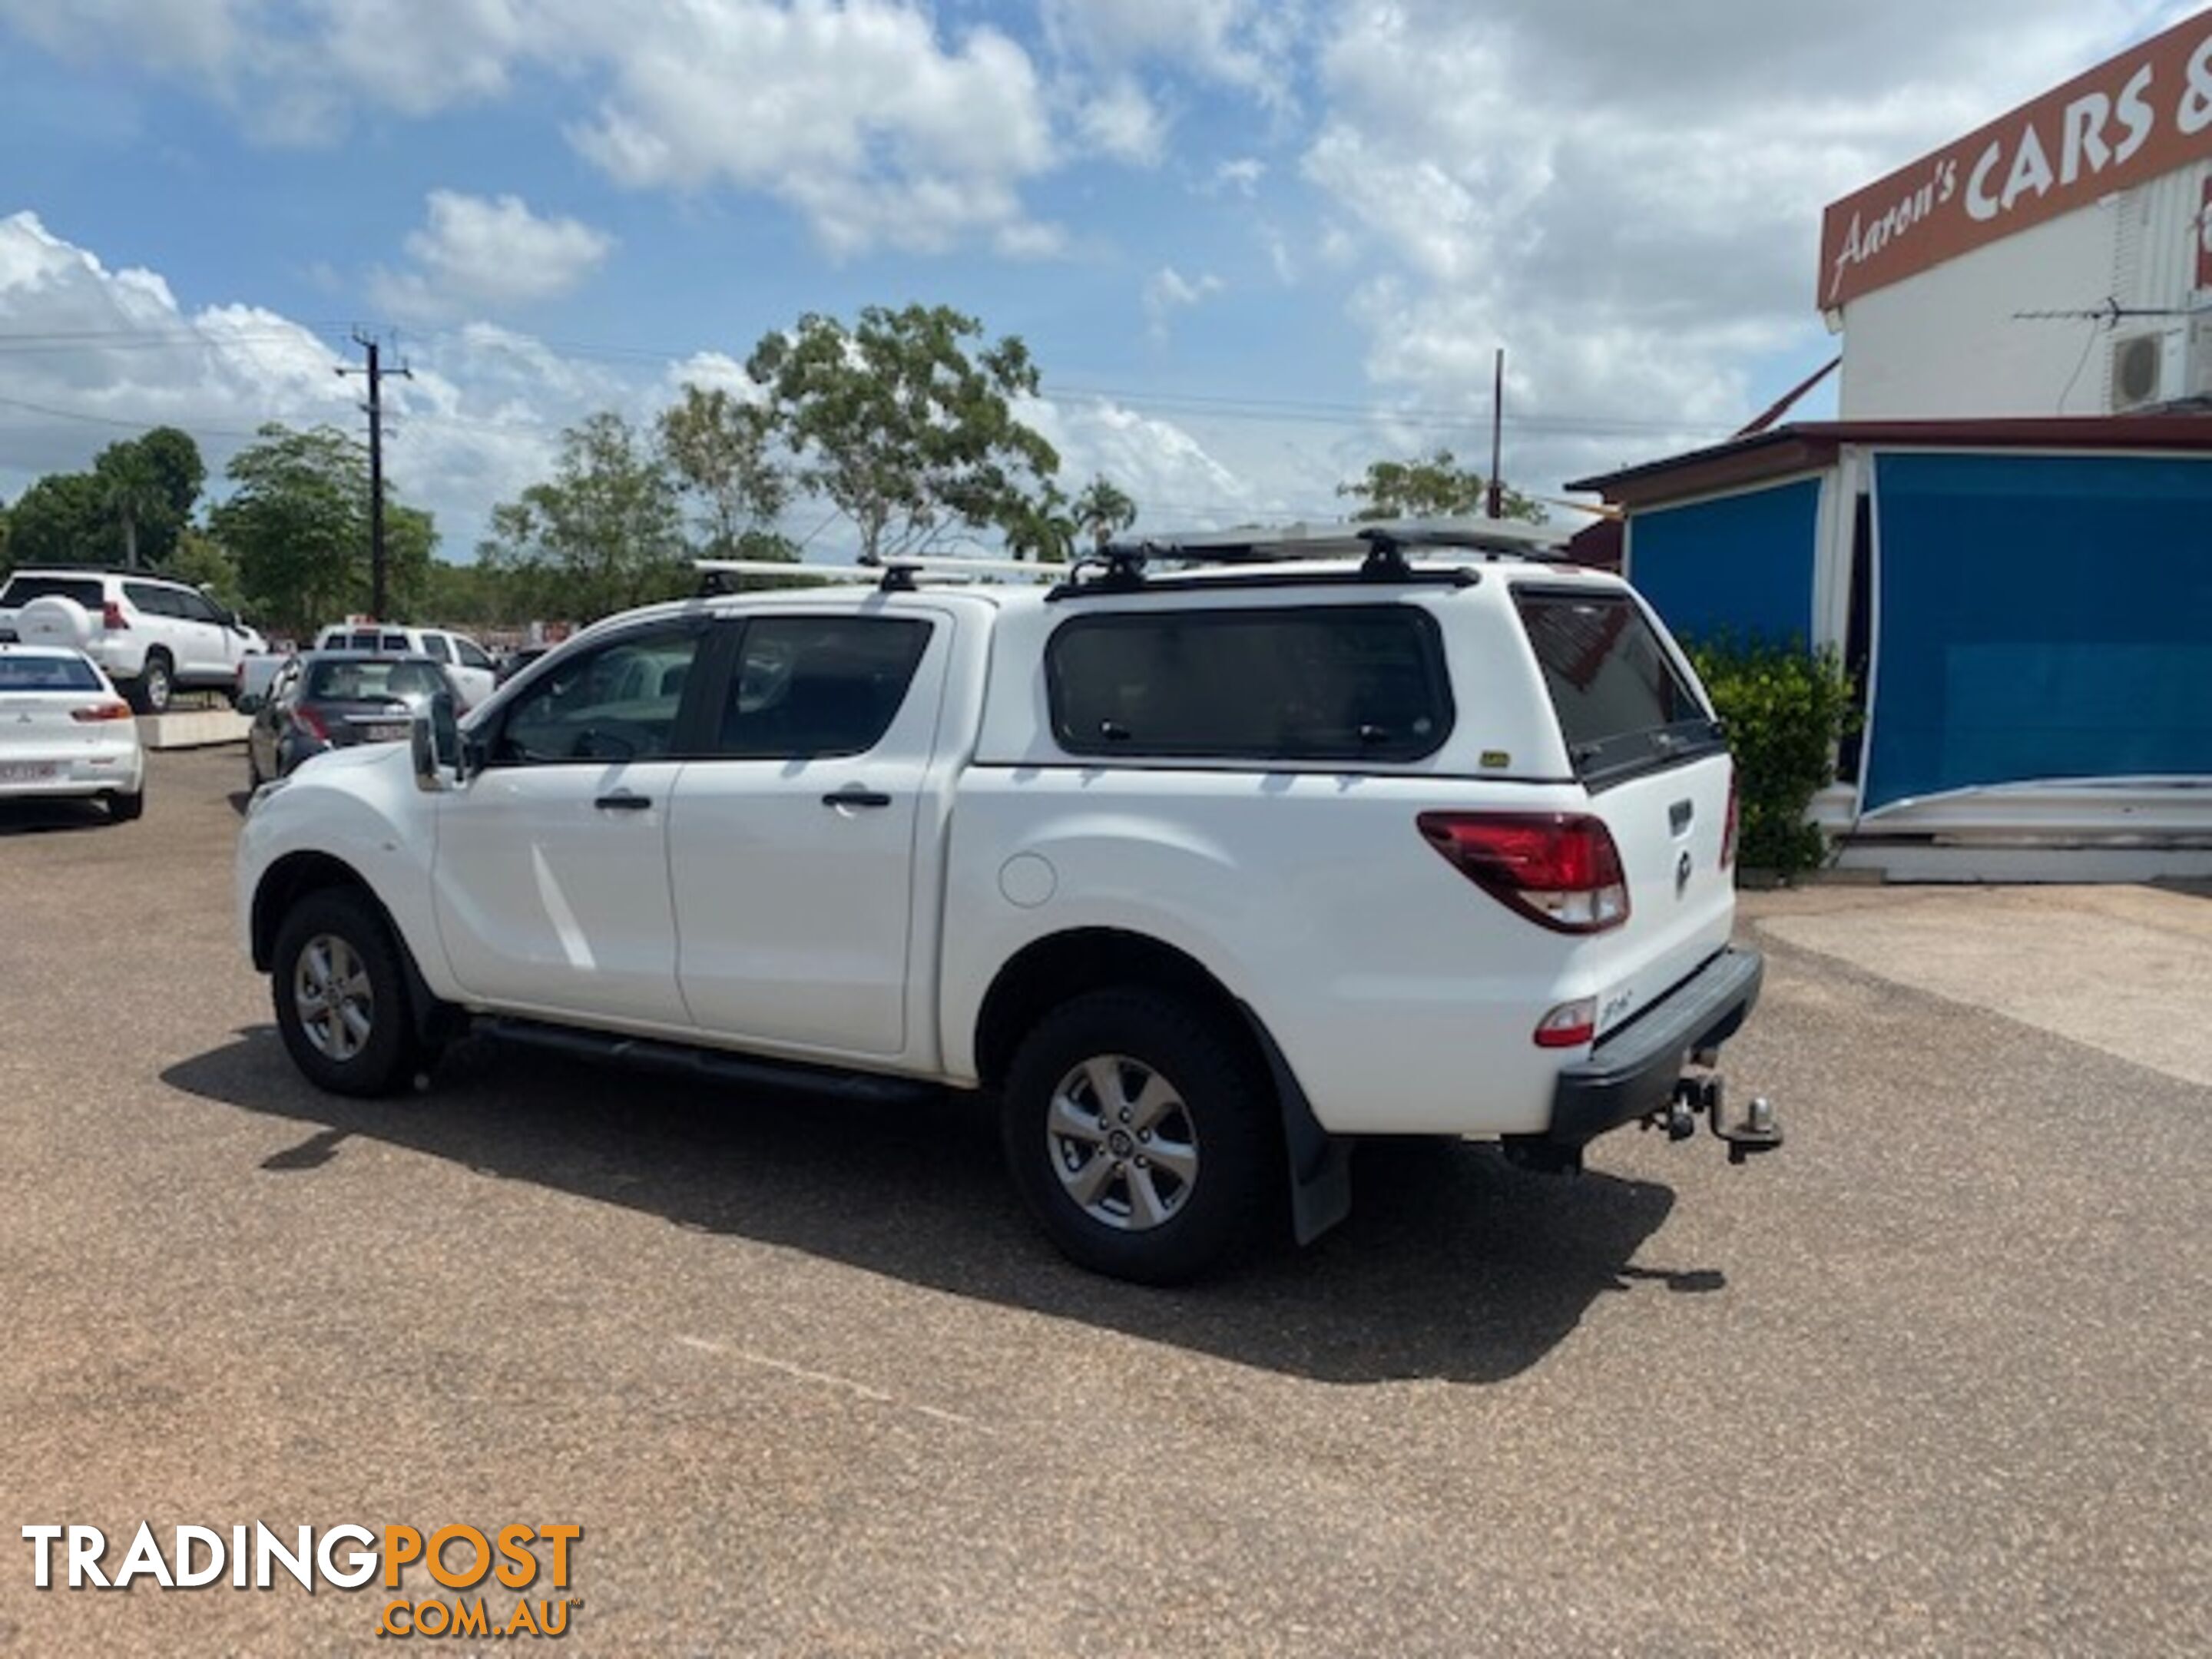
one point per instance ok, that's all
(1622, 705)
(341, 681)
(47, 674)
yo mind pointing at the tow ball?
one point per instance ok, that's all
(1757, 1131)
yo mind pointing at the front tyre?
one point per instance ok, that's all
(341, 996)
(1139, 1134)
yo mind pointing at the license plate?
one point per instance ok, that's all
(382, 733)
(28, 771)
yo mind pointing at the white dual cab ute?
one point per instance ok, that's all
(151, 636)
(1201, 872)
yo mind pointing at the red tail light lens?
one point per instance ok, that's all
(1569, 1025)
(101, 711)
(310, 722)
(111, 616)
(1728, 834)
(1561, 869)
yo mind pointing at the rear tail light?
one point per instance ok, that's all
(307, 720)
(1728, 833)
(97, 712)
(111, 616)
(1569, 1025)
(1561, 869)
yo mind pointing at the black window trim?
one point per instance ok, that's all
(1426, 629)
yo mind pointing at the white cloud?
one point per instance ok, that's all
(1242, 175)
(1121, 120)
(1629, 201)
(1169, 291)
(1245, 43)
(476, 252)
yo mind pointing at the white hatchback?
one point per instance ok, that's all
(64, 731)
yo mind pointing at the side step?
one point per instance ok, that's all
(714, 1064)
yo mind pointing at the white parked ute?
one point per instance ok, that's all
(1200, 874)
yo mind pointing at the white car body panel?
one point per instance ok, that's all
(45, 750)
(740, 912)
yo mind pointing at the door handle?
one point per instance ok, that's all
(624, 802)
(853, 795)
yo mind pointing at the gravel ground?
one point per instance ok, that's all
(1933, 1379)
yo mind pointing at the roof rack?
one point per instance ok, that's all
(892, 575)
(1382, 550)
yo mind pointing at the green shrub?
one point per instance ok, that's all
(1785, 709)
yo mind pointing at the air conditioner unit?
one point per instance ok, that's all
(2196, 381)
(2147, 370)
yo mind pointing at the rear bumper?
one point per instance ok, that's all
(1631, 1074)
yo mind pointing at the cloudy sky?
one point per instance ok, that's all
(1252, 243)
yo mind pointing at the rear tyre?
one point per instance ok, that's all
(126, 809)
(155, 686)
(1139, 1135)
(341, 996)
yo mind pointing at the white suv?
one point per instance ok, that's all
(152, 636)
(1201, 875)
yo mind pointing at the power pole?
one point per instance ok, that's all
(1497, 437)
(374, 409)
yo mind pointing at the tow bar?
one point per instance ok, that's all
(1757, 1131)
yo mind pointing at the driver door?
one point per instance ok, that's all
(551, 874)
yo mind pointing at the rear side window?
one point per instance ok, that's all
(1622, 703)
(21, 590)
(1337, 683)
(47, 674)
(818, 686)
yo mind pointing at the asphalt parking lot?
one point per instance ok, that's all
(1933, 1379)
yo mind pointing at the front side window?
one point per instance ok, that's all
(1337, 683)
(470, 655)
(818, 686)
(617, 702)
(435, 647)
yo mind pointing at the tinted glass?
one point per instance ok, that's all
(47, 674)
(152, 600)
(1620, 700)
(470, 655)
(1345, 683)
(196, 607)
(818, 685)
(340, 681)
(617, 702)
(434, 644)
(21, 590)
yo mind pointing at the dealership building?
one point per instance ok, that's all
(2007, 530)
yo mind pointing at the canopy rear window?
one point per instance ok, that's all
(1622, 705)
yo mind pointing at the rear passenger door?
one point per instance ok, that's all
(791, 839)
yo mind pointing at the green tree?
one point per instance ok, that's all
(896, 424)
(603, 533)
(722, 453)
(207, 564)
(7, 564)
(59, 519)
(1431, 487)
(1104, 510)
(297, 522)
(149, 487)
(1045, 527)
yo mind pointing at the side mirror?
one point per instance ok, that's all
(251, 703)
(436, 741)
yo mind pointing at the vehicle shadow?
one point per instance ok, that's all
(38, 818)
(1453, 1266)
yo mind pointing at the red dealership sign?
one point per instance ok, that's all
(2142, 114)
